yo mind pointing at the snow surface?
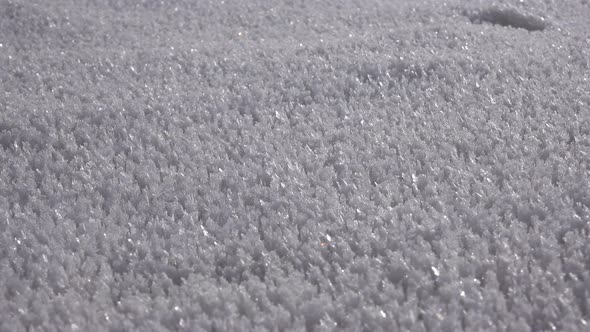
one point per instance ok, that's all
(294, 165)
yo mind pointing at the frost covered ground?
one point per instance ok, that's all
(294, 165)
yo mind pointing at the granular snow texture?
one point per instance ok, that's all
(297, 165)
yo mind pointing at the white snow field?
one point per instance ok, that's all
(297, 165)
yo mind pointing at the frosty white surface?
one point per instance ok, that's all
(233, 165)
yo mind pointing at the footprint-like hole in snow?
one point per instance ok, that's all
(508, 17)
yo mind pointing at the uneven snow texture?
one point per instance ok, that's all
(294, 165)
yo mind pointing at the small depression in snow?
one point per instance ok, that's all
(508, 17)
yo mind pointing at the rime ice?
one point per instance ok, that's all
(379, 165)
